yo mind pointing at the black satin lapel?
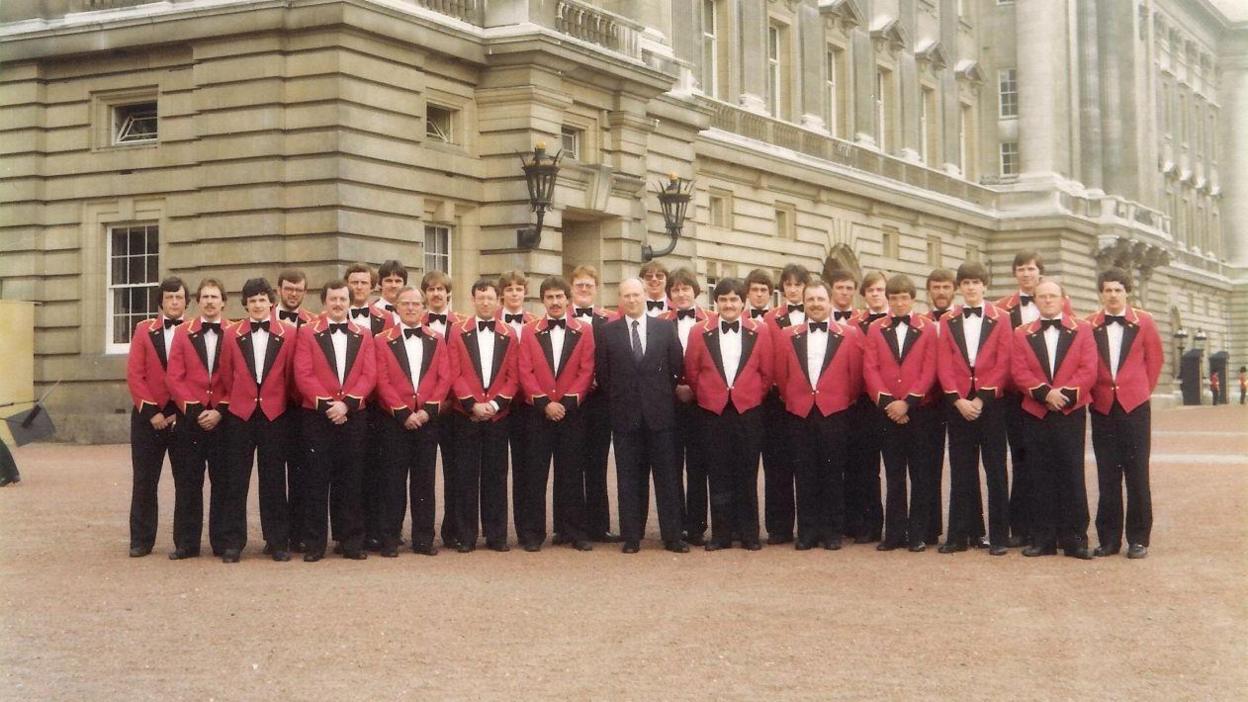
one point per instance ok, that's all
(548, 350)
(158, 341)
(353, 348)
(249, 354)
(1042, 352)
(474, 352)
(399, 348)
(430, 345)
(712, 345)
(1101, 334)
(570, 340)
(1128, 336)
(912, 336)
(378, 324)
(747, 347)
(834, 343)
(1063, 345)
(500, 350)
(270, 354)
(959, 337)
(890, 335)
(327, 347)
(783, 319)
(985, 330)
(1016, 316)
(799, 347)
(201, 346)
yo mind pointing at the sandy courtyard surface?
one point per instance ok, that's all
(79, 620)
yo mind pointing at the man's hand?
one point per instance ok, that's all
(967, 408)
(684, 393)
(896, 411)
(337, 412)
(1056, 400)
(208, 419)
(555, 411)
(413, 421)
(160, 421)
(482, 411)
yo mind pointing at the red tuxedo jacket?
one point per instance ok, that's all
(466, 367)
(1075, 367)
(394, 376)
(840, 383)
(908, 375)
(1139, 362)
(700, 316)
(316, 368)
(190, 386)
(576, 364)
(991, 375)
(146, 368)
(378, 320)
(238, 368)
(704, 366)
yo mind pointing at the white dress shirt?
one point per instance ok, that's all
(339, 340)
(381, 303)
(816, 348)
(1051, 336)
(415, 354)
(210, 343)
(902, 331)
(259, 347)
(167, 335)
(730, 353)
(557, 336)
(655, 312)
(972, 327)
(439, 326)
(1028, 313)
(683, 325)
(517, 327)
(485, 348)
(641, 330)
(796, 316)
(1114, 334)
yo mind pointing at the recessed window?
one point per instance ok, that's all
(836, 86)
(972, 253)
(710, 47)
(1009, 158)
(935, 251)
(883, 108)
(777, 70)
(437, 248)
(440, 123)
(135, 123)
(719, 206)
(1008, 84)
(786, 226)
(133, 281)
(571, 140)
(889, 242)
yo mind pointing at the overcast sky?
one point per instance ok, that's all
(1233, 9)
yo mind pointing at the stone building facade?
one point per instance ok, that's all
(232, 137)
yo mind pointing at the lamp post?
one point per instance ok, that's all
(674, 199)
(1180, 338)
(1198, 341)
(540, 174)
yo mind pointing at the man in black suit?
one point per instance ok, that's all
(639, 361)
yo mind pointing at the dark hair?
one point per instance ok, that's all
(795, 272)
(257, 286)
(332, 285)
(758, 276)
(172, 284)
(392, 267)
(511, 278)
(1028, 256)
(729, 286)
(210, 283)
(292, 275)
(484, 284)
(683, 276)
(899, 284)
(361, 268)
(973, 270)
(435, 278)
(652, 267)
(939, 275)
(837, 275)
(871, 279)
(554, 282)
(1113, 275)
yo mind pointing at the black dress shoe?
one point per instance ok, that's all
(887, 546)
(832, 545)
(1080, 552)
(425, 549)
(533, 546)
(952, 547)
(1106, 550)
(1136, 551)
(803, 545)
(1033, 551)
(281, 556)
(918, 547)
(752, 545)
(313, 556)
(583, 545)
(231, 555)
(389, 551)
(716, 545)
(139, 551)
(997, 550)
(677, 546)
(559, 540)
(499, 546)
(373, 545)
(605, 537)
(183, 553)
(630, 547)
(353, 555)
(863, 539)
(777, 539)
(1016, 541)
(462, 547)
(695, 540)
(980, 542)
(268, 549)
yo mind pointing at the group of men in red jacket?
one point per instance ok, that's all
(345, 412)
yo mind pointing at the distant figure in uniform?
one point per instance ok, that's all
(1243, 383)
(1215, 386)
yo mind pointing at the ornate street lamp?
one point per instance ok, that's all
(1180, 338)
(674, 198)
(540, 173)
(1198, 341)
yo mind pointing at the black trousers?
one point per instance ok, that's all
(864, 514)
(1021, 491)
(147, 457)
(409, 460)
(194, 451)
(8, 466)
(1059, 506)
(969, 443)
(932, 438)
(262, 441)
(904, 448)
(480, 484)
(820, 444)
(696, 483)
(564, 442)
(372, 478)
(731, 443)
(594, 458)
(519, 423)
(779, 503)
(296, 467)
(1122, 442)
(445, 424)
(638, 454)
(336, 453)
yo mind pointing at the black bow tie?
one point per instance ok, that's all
(1116, 319)
(257, 326)
(435, 317)
(902, 319)
(799, 307)
(690, 313)
(818, 326)
(584, 311)
(483, 325)
(561, 322)
(359, 312)
(289, 316)
(509, 318)
(169, 322)
(655, 304)
(1024, 300)
(730, 326)
(938, 313)
(409, 333)
(967, 312)
(211, 326)
(876, 315)
(1046, 323)
(755, 313)
(335, 327)
(838, 315)
(389, 308)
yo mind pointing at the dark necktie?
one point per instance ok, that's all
(842, 316)
(211, 326)
(1118, 319)
(755, 313)
(690, 313)
(483, 325)
(902, 319)
(938, 313)
(409, 333)
(638, 352)
(288, 316)
(434, 317)
(655, 304)
(874, 316)
(1024, 300)
(337, 327)
(552, 323)
(170, 323)
(799, 307)
(818, 326)
(359, 312)
(1046, 323)
(509, 318)
(257, 326)
(389, 308)
(967, 312)
(730, 326)
(584, 311)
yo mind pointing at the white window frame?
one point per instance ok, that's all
(1007, 93)
(831, 66)
(110, 328)
(710, 48)
(432, 231)
(118, 130)
(577, 137)
(435, 131)
(882, 79)
(1010, 149)
(775, 90)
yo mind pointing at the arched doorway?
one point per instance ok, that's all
(841, 257)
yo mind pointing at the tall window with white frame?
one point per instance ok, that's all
(775, 87)
(437, 248)
(836, 87)
(927, 119)
(1007, 83)
(1009, 158)
(133, 281)
(966, 141)
(710, 48)
(883, 108)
